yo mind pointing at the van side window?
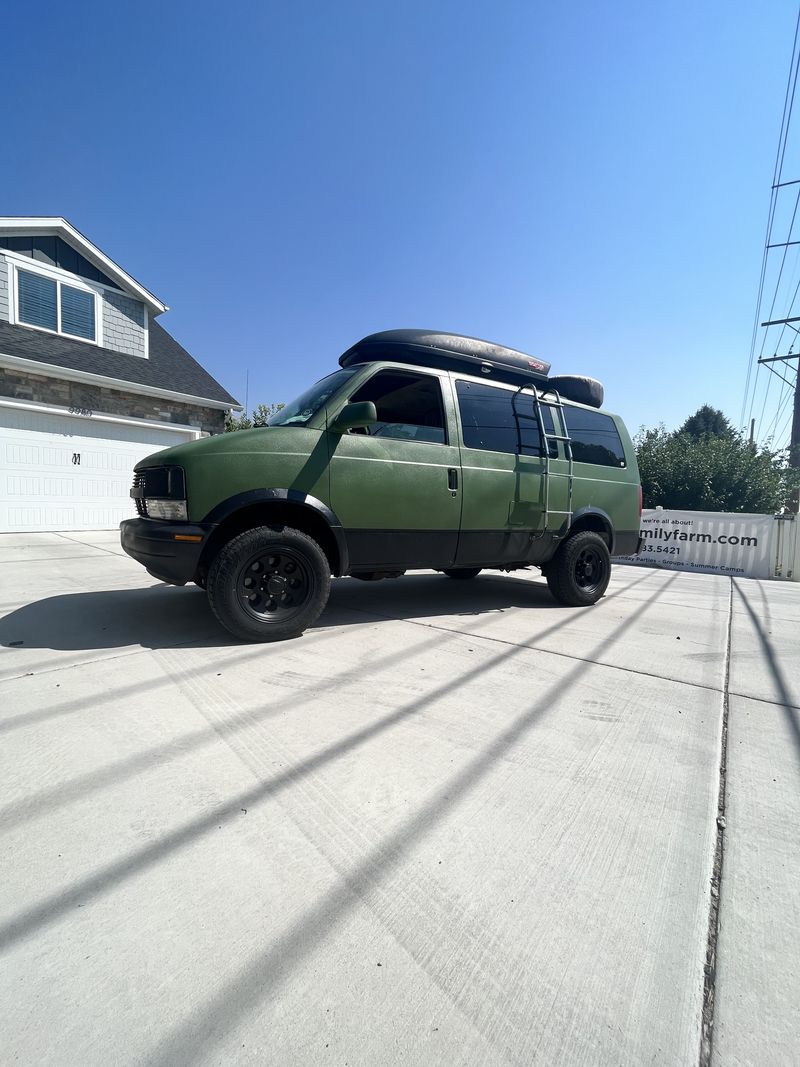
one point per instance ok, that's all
(409, 406)
(499, 420)
(595, 438)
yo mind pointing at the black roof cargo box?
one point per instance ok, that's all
(449, 351)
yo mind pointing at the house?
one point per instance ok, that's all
(90, 382)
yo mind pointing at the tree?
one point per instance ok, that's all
(707, 421)
(711, 472)
(259, 417)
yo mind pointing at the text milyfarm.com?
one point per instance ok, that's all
(660, 534)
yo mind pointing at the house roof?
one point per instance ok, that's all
(55, 225)
(168, 371)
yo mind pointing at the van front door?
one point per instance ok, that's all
(395, 486)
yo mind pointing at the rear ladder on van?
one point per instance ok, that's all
(557, 405)
(545, 438)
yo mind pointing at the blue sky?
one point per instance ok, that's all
(588, 182)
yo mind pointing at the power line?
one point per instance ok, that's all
(787, 394)
(788, 105)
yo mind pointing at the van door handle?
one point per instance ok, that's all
(452, 479)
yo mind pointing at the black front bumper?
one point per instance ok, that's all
(154, 544)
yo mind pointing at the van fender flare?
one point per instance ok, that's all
(222, 511)
(592, 512)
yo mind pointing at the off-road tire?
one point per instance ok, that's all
(578, 574)
(462, 574)
(269, 583)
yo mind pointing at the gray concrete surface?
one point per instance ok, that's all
(758, 976)
(453, 824)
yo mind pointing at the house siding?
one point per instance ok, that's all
(124, 324)
(124, 318)
(3, 288)
(20, 385)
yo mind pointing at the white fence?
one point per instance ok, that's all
(751, 546)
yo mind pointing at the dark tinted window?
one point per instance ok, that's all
(36, 300)
(409, 406)
(498, 420)
(594, 438)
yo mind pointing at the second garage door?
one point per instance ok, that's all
(71, 472)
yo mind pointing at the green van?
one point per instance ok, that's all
(423, 451)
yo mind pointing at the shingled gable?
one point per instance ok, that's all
(160, 366)
(169, 368)
(58, 227)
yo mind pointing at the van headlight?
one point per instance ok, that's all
(160, 493)
(165, 509)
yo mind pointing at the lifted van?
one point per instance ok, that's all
(423, 451)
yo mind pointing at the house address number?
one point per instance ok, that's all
(81, 411)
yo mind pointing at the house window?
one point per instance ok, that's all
(53, 305)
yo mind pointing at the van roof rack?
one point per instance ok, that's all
(449, 351)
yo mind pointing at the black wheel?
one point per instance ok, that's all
(463, 573)
(579, 573)
(269, 583)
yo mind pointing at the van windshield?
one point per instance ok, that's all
(308, 403)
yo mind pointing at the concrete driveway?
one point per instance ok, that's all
(453, 824)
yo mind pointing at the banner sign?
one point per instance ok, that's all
(707, 541)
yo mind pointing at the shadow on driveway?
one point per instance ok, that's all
(165, 617)
(156, 617)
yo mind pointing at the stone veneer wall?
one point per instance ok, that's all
(20, 385)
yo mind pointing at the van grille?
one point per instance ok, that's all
(163, 483)
(137, 491)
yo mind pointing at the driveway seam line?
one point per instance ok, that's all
(764, 700)
(544, 651)
(89, 662)
(715, 891)
(44, 559)
(411, 622)
(88, 544)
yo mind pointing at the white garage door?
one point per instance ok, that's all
(71, 472)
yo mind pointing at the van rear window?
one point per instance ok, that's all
(595, 438)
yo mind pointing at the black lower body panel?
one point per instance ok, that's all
(406, 549)
(627, 543)
(436, 549)
(487, 548)
(158, 547)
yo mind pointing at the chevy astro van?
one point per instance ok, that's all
(423, 450)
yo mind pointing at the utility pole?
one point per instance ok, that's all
(794, 439)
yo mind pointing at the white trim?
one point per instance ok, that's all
(56, 226)
(54, 409)
(12, 294)
(50, 370)
(146, 333)
(59, 272)
(60, 277)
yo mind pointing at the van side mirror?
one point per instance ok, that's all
(363, 413)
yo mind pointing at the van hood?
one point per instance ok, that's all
(264, 439)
